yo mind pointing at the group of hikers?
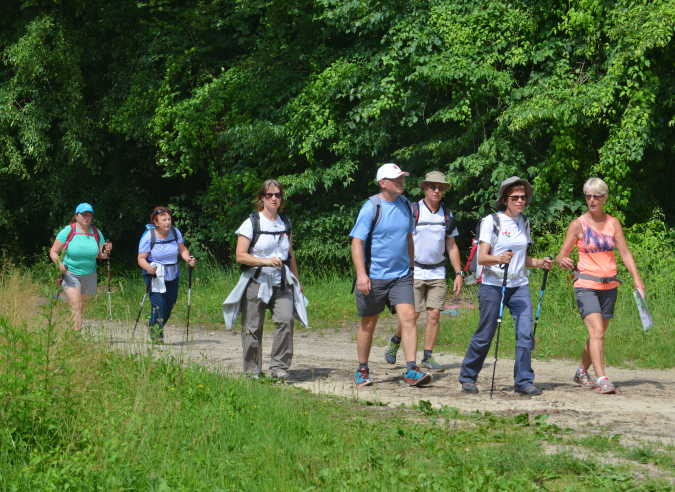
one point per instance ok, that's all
(400, 251)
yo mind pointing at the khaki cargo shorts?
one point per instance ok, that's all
(430, 294)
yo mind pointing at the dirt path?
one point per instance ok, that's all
(642, 408)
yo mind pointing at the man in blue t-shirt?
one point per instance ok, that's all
(383, 253)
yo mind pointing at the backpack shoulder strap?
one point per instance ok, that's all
(175, 234)
(288, 225)
(255, 225)
(377, 210)
(71, 234)
(97, 235)
(415, 207)
(526, 223)
(496, 229)
(153, 239)
(450, 220)
(406, 202)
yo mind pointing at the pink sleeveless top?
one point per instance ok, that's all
(596, 255)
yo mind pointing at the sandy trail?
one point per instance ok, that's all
(643, 407)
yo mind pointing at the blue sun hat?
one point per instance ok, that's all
(84, 207)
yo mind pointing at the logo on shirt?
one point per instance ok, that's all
(506, 233)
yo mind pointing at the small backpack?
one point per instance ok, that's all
(255, 224)
(473, 270)
(377, 216)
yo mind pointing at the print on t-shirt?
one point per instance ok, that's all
(593, 241)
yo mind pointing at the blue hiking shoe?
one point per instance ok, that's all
(390, 352)
(415, 377)
(362, 378)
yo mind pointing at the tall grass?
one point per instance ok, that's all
(79, 416)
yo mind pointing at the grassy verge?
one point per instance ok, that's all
(76, 416)
(561, 332)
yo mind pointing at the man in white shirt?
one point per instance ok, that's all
(433, 236)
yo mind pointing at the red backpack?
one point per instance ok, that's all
(73, 232)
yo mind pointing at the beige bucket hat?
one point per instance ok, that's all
(435, 177)
(529, 189)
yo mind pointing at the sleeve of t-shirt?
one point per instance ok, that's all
(364, 222)
(486, 230)
(63, 234)
(101, 239)
(144, 244)
(246, 229)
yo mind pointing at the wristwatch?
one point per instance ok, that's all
(460, 274)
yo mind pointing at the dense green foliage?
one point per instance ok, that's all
(128, 104)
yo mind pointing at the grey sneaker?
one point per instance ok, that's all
(469, 388)
(604, 387)
(390, 352)
(584, 380)
(281, 374)
(431, 365)
(530, 391)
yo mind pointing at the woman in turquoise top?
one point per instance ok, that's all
(83, 243)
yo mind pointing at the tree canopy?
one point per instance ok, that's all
(128, 104)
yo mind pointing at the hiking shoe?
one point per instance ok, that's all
(390, 352)
(281, 374)
(469, 388)
(362, 378)
(530, 391)
(431, 365)
(604, 387)
(415, 377)
(584, 380)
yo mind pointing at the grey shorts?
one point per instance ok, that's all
(385, 293)
(86, 283)
(591, 301)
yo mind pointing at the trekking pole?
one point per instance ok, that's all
(541, 297)
(187, 326)
(109, 297)
(141, 309)
(499, 324)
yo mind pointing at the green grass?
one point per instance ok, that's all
(560, 334)
(78, 416)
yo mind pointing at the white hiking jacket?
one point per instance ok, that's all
(231, 306)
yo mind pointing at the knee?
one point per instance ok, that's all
(433, 314)
(368, 325)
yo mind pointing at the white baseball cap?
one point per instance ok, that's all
(390, 171)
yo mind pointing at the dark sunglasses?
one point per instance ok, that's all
(400, 178)
(440, 188)
(270, 195)
(515, 198)
(597, 197)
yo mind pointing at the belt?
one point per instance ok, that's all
(430, 267)
(602, 280)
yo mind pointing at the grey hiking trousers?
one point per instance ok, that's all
(252, 319)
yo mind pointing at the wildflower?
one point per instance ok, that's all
(201, 386)
(171, 389)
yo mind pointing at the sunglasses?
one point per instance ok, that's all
(440, 188)
(515, 198)
(270, 195)
(87, 215)
(597, 197)
(160, 210)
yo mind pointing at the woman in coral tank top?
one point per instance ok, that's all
(596, 235)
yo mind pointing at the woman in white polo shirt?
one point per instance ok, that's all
(272, 247)
(512, 233)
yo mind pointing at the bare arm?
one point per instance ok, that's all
(294, 265)
(185, 254)
(627, 256)
(411, 251)
(573, 233)
(489, 260)
(54, 253)
(243, 257)
(362, 280)
(453, 254)
(538, 263)
(143, 263)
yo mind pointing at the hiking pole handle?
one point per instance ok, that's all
(546, 270)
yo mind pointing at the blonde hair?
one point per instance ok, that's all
(270, 183)
(596, 185)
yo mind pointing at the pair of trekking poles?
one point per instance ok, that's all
(147, 291)
(501, 311)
